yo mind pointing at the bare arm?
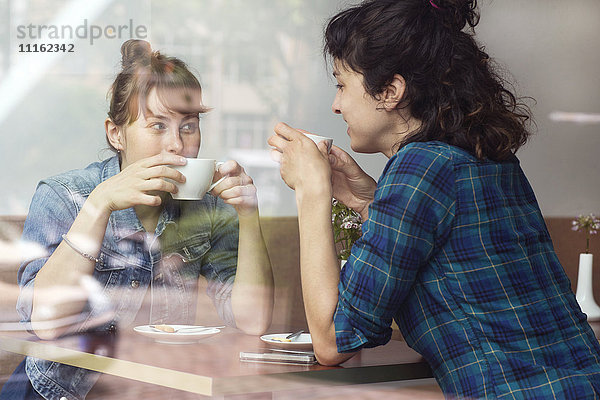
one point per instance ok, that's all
(65, 267)
(305, 168)
(252, 293)
(320, 272)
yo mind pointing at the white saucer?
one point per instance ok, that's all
(176, 337)
(302, 342)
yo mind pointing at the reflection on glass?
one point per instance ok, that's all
(118, 248)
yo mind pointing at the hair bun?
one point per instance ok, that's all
(458, 13)
(135, 51)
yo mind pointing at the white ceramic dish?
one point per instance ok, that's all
(302, 342)
(176, 337)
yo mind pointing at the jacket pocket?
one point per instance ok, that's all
(113, 269)
(110, 261)
(190, 249)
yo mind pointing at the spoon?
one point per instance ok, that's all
(294, 335)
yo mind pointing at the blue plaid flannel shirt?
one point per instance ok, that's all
(456, 251)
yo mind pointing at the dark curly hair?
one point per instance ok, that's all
(452, 86)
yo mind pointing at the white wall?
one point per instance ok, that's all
(552, 47)
(55, 123)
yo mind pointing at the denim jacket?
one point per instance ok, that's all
(192, 238)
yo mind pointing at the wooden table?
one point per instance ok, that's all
(212, 366)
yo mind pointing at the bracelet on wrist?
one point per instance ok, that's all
(78, 250)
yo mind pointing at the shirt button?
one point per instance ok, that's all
(158, 277)
(135, 284)
(63, 398)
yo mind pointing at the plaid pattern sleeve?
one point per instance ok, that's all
(456, 251)
(413, 205)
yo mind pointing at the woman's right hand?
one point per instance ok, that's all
(140, 183)
(351, 185)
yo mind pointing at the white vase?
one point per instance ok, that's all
(585, 293)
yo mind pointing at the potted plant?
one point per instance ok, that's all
(590, 225)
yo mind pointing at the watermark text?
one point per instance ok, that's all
(82, 31)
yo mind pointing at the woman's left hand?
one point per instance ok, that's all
(237, 188)
(302, 164)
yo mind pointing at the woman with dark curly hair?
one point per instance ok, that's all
(454, 245)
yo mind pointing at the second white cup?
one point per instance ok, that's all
(199, 173)
(318, 139)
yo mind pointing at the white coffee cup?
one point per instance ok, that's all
(199, 173)
(318, 139)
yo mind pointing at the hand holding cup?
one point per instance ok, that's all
(302, 164)
(140, 183)
(236, 188)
